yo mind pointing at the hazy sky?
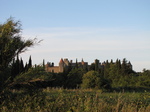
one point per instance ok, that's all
(88, 29)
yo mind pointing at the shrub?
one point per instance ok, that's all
(92, 79)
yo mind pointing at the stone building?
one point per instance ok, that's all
(64, 64)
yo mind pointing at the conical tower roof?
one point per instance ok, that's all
(61, 61)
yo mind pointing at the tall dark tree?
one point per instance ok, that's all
(30, 62)
(74, 78)
(97, 65)
(118, 66)
(17, 67)
(76, 66)
(21, 66)
(106, 67)
(13, 68)
(11, 45)
(124, 67)
(92, 67)
(26, 67)
(11, 42)
(111, 61)
(43, 63)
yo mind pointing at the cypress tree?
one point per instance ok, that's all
(97, 65)
(111, 61)
(21, 66)
(30, 62)
(106, 68)
(76, 63)
(43, 63)
(124, 67)
(26, 67)
(17, 66)
(13, 68)
(118, 65)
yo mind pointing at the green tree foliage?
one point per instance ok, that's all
(33, 74)
(74, 78)
(106, 69)
(11, 42)
(76, 66)
(17, 67)
(92, 66)
(144, 79)
(92, 79)
(59, 80)
(11, 45)
(96, 65)
(118, 72)
(30, 63)
(126, 67)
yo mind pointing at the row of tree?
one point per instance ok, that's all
(18, 67)
(111, 75)
(110, 71)
(13, 71)
(107, 74)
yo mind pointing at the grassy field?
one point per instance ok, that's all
(62, 100)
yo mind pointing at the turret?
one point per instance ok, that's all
(47, 65)
(61, 65)
(82, 62)
(66, 62)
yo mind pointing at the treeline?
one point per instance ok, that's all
(17, 66)
(118, 74)
(13, 71)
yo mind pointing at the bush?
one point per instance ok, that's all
(92, 79)
(74, 78)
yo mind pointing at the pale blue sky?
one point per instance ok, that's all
(88, 29)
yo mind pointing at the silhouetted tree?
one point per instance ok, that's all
(30, 63)
(21, 66)
(74, 78)
(43, 63)
(97, 65)
(76, 66)
(92, 67)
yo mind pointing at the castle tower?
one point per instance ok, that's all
(47, 65)
(66, 62)
(61, 65)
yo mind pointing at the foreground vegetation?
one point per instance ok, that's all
(62, 100)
